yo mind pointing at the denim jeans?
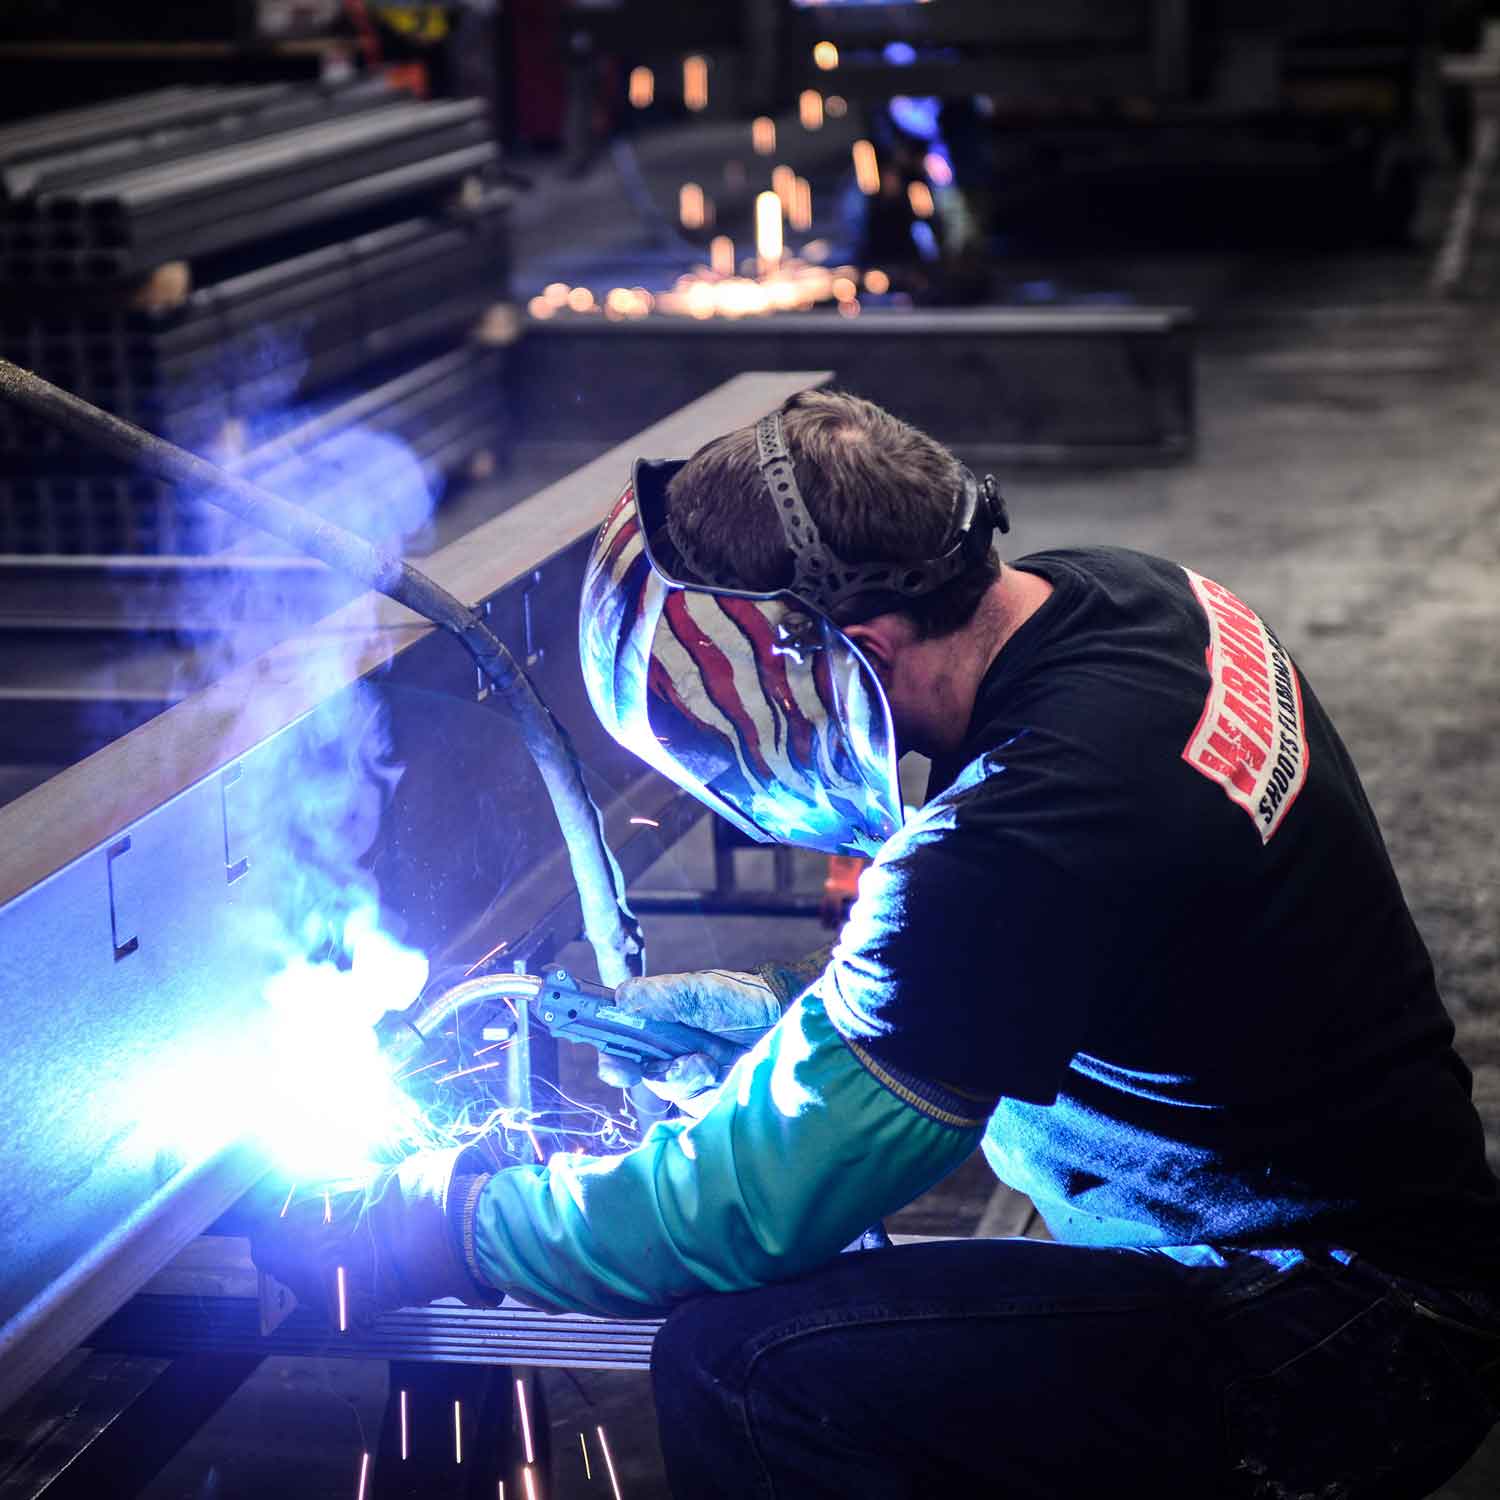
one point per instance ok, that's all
(1037, 1371)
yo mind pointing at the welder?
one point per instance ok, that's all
(1142, 942)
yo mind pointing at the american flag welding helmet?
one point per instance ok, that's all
(755, 703)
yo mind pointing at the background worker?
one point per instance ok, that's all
(1143, 941)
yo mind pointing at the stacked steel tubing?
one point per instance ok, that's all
(321, 226)
(266, 336)
(444, 412)
(290, 159)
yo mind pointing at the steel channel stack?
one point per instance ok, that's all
(345, 244)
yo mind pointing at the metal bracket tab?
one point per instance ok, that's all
(119, 921)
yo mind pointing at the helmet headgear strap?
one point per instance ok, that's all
(824, 579)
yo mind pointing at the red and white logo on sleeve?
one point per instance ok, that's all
(1251, 738)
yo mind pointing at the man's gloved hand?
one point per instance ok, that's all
(394, 1235)
(729, 1002)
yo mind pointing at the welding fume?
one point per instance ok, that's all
(1040, 964)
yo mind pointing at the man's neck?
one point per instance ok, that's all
(1008, 604)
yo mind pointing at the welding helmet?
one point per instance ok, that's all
(756, 702)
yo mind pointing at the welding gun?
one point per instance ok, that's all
(572, 1009)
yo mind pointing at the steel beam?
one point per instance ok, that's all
(125, 982)
(1045, 385)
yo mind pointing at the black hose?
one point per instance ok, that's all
(608, 923)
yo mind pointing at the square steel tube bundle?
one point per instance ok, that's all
(120, 968)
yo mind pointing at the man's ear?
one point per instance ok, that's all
(881, 639)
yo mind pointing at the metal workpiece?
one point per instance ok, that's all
(430, 1335)
(132, 992)
(999, 385)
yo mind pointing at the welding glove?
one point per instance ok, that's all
(734, 1004)
(393, 1235)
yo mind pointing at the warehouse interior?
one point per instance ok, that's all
(1213, 281)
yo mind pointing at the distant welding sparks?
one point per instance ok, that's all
(646, 822)
(768, 239)
(763, 135)
(609, 1463)
(458, 1432)
(343, 1302)
(810, 109)
(588, 1472)
(919, 195)
(364, 1476)
(866, 167)
(692, 208)
(825, 56)
(695, 83)
(525, 1420)
(642, 87)
(405, 1431)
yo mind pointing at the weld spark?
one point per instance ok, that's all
(290, 1192)
(404, 1446)
(588, 1473)
(364, 1474)
(525, 1420)
(464, 1072)
(609, 1463)
(343, 1303)
(458, 1433)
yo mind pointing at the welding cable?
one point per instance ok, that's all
(610, 926)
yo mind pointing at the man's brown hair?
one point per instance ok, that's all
(878, 490)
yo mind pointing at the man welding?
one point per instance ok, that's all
(1142, 943)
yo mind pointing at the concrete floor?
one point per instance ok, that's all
(1348, 486)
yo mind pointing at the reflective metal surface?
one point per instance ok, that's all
(126, 980)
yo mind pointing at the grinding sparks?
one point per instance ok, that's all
(458, 1432)
(763, 135)
(866, 167)
(525, 1420)
(825, 56)
(938, 168)
(343, 1302)
(800, 213)
(364, 1476)
(768, 241)
(609, 1463)
(588, 1472)
(695, 83)
(642, 87)
(405, 1431)
(691, 206)
(784, 185)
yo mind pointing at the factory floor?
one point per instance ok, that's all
(1348, 485)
